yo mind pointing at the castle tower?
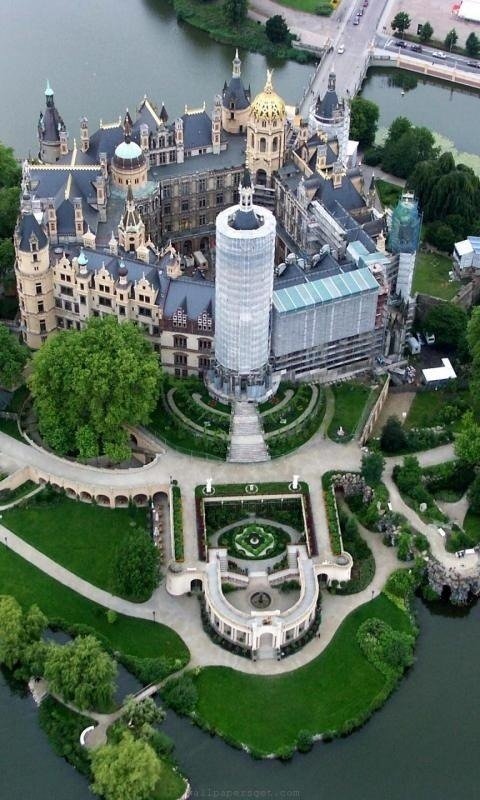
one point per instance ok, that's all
(84, 135)
(129, 165)
(331, 116)
(266, 134)
(34, 277)
(235, 101)
(216, 124)
(50, 128)
(131, 230)
(245, 246)
(403, 239)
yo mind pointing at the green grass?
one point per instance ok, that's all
(431, 276)
(350, 400)
(471, 525)
(169, 428)
(171, 785)
(309, 6)
(83, 538)
(10, 427)
(267, 713)
(135, 637)
(426, 408)
(9, 495)
(389, 193)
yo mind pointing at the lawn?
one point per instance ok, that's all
(135, 637)
(83, 538)
(389, 193)
(267, 713)
(309, 6)
(431, 276)
(471, 525)
(350, 400)
(426, 408)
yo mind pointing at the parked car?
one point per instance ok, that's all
(360, 12)
(365, 3)
(417, 48)
(400, 44)
(438, 54)
(341, 49)
(356, 21)
(475, 64)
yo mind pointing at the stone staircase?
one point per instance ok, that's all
(266, 653)
(246, 435)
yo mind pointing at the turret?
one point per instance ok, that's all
(52, 134)
(34, 280)
(179, 140)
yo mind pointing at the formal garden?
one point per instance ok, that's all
(254, 541)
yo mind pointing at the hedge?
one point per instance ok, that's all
(177, 523)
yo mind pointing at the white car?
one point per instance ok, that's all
(341, 49)
(438, 54)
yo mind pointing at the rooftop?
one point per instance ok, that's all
(323, 290)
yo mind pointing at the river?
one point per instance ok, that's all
(101, 57)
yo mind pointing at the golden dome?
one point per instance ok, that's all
(268, 105)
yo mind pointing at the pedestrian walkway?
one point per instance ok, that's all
(247, 442)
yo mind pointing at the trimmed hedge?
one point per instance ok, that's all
(177, 523)
(332, 513)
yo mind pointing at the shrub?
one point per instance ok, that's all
(393, 438)
(137, 566)
(389, 650)
(180, 694)
(304, 741)
(63, 728)
(177, 523)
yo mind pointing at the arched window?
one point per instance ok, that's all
(275, 144)
(263, 144)
(252, 140)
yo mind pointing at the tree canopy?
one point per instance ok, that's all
(449, 324)
(467, 441)
(426, 33)
(82, 673)
(235, 11)
(472, 45)
(18, 630)
(127, 770)
(363, 121)
(88, 384)
(13, 357)
(401, 22)
(451, 38)
(141, 716)
(277, 30)
(372, 467)
(393, 438)
(137, 566)
(405, 146)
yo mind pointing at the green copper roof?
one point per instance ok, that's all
(48, 90)
(323, 290)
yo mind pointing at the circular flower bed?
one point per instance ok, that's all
(254, 541)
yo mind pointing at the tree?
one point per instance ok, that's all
(472, 45)
(474, 495)
(393, 438)
(18, 630)
(235, 11)
(7, 255)
(405, 146)
(449, 324)
(427, 32)
(372, 468)
(128, 770)
(467, 441)
(363, 121)
(13, 357)
(277, 30)
(10, 171)
(82, 673)
(141, 716)
(451, 39)
(137, 565)
(401, 22)
(88, 384)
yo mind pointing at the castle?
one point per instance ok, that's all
(123, 222)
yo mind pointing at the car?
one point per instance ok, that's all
(417, 48)
(356, 21)
(438, 54)
(475, 64)
(360, 12)
(365, 3)
(400, 43)
(341, 49)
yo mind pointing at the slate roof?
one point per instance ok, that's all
(105, 140)
(29, 226)
(50, 124)
(236, 93)
(197, 130)
(48, 182)
(245, 220)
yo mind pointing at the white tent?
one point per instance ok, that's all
(470, 9)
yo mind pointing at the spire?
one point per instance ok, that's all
(268, 86)
(48, 90)
(130, 200)
(237, 64)
(163, 114)
(332, 79)
(127, 125)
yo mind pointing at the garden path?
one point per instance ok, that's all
(456, 511)
(278, 406)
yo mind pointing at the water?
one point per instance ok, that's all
(453, 114)
(421, 746)
(101, 57)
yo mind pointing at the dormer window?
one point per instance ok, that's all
(180, 318)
